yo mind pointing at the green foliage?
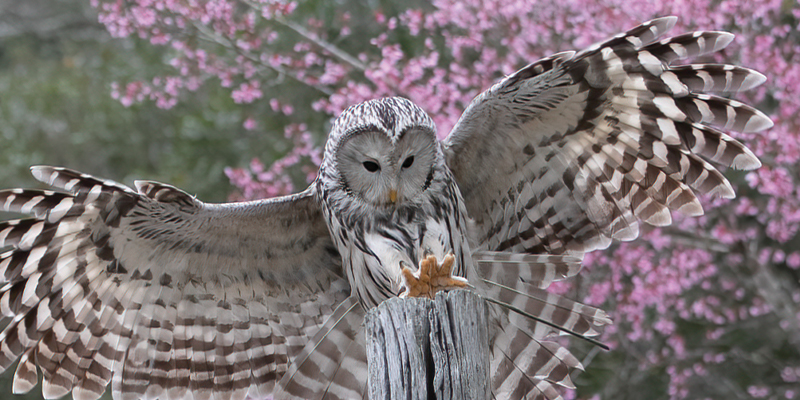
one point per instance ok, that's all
(56, 109)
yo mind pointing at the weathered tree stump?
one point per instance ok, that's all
(422, 349)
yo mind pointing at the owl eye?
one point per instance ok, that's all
(408, 162)
(371, 166)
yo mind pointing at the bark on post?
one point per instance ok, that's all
(424, 349)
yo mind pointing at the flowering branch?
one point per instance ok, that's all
(212, 37)
(329, 47)
(681, 296)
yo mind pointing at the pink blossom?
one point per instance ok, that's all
(698, 272)
(793, 260)
(247, 92)
(250, 124)
(758, 391)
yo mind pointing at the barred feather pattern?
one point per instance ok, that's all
(334, 367)
(163, 296)
(585, 145)
(374, 239)
(107, 285)
(573, 151)
(536, 270)
(525, 364)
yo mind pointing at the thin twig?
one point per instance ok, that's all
(694, 240)
(214, 38)
(325, 45)
(774, 291)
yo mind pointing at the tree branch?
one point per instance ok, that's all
(214, 38)
(327, 46)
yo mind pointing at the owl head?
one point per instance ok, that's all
(382, 151)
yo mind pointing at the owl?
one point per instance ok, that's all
(160, 295)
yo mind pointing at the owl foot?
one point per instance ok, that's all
(431, 277)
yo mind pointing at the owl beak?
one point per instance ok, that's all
(393, 196)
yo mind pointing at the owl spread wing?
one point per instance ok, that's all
(158, 293)
(571, 151)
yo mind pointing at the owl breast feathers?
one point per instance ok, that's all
(163, 296)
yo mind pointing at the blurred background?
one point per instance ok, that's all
(233, 99)
(58, 64)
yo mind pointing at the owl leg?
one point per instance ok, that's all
(431, 277)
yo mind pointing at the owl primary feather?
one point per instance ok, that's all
(160, 295)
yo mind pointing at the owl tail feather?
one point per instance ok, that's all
(524, 364)
(516, 282)
(526, 368)
(548, 323)
(537, 270)
(333, 365)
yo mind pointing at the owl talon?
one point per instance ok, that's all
(431, 277)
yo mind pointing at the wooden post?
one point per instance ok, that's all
(422, 349)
